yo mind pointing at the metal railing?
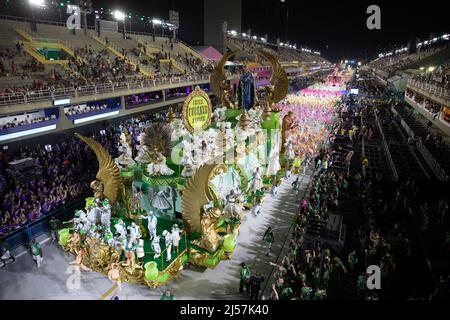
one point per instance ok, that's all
(386, 148)
(431, 88)
(75, 92)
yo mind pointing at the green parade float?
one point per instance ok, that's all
(206, 202)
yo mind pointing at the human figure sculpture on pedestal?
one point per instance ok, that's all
(246, 90)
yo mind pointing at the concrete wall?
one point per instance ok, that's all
(215, 13)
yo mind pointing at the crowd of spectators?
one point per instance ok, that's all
(98, 67)
(440, 77)
(401, 226)
(431, 106)
(15, 122)
(80, 109)
(62, 174)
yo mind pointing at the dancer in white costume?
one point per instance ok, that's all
(176, 237)
(121, 229)
(143, 151)
(125, 159)
(152, 223)
(140, 250)
(159, 166)
(257, 183)
(168, 240)
(156, 247)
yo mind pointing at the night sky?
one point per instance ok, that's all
(340, 25)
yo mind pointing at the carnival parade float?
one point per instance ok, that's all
(183, 197)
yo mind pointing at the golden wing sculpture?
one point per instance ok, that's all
(108, 173)
(197, 193)
(218, 74)
(279, 79)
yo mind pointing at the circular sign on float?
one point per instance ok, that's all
(197, 110)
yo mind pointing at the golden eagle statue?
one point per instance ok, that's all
(108, 183)
(279, 79)
(219, 79)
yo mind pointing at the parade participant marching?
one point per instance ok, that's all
(245, 274)
(269, 238)
(36, 251)
(5, 255)
(54, 224)
(114, 275)
(257, 207)
(255, 285)
(167, 295)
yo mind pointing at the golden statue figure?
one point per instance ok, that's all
(210, 239)
(108, 183)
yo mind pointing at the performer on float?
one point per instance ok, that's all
(130, 247)
(257, 182)
(176, 237)
(156, 247)
(114, 275)
(78, 220)
(135, 232)
(125, 158)
(168, 241)
(158, 165)
(140, 250)
(121, 229)
(91, 217)
(143, 155)
(106, 215)
(79, 260)
(256, 210)
(188, 162)
(136, 200)
(152, 223)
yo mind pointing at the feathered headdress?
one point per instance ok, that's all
(158, 137)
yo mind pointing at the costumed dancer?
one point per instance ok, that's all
(36, 251)
(140, 250)
(152, 223)
(156, 247)
(257, 183)
(168, 240)
(269, 239)
(106, 215)
(256, 210)
(121, 228)
(79, 260)
(176, 237)
(114, 275)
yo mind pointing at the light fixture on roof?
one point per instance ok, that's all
(157, 21)
(119, 15)
(244, 35)
(37, 3)
(255, 37)
(431, 69)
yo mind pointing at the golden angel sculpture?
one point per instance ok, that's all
(108, 183)
(196, 195)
